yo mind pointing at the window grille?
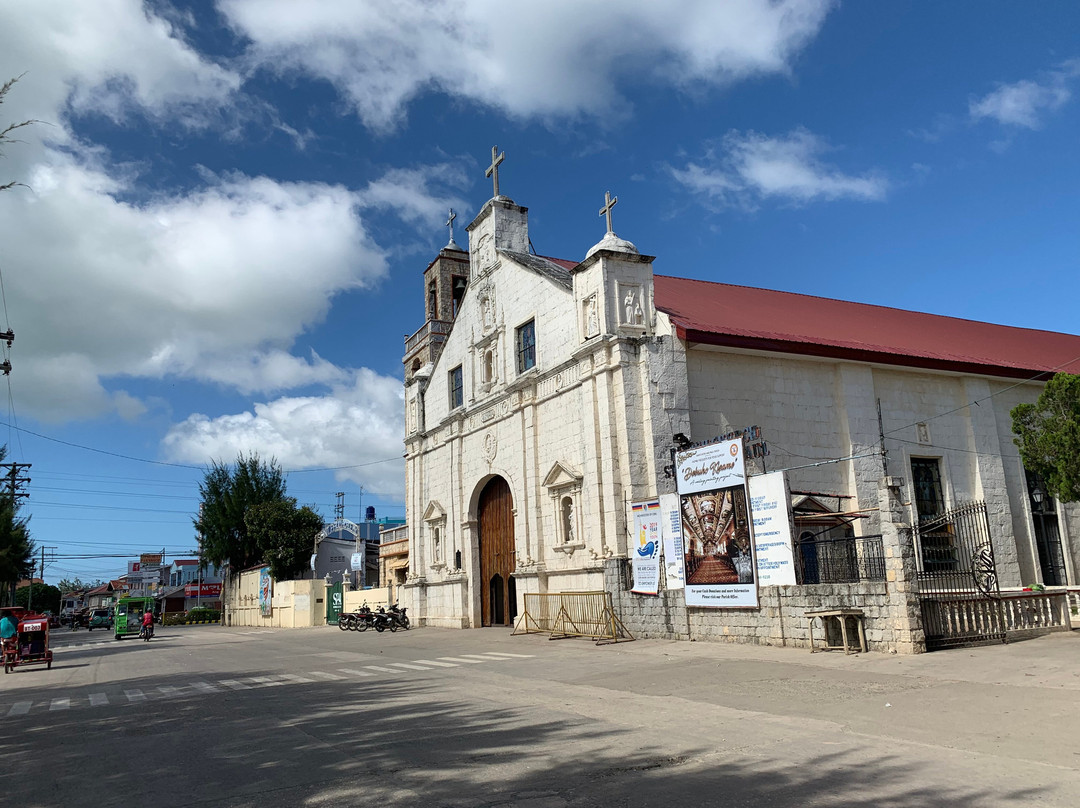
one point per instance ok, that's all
(455, 388)
(526, 346)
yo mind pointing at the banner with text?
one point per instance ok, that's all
(770, 510)
(719, 549)
(671, 530)
(645, 552)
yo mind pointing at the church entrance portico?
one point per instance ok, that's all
(495, 543)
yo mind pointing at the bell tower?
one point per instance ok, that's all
(445, 281)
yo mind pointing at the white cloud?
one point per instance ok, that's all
(746, 168)
(360, 421)
(560, 57)
(1026, 103)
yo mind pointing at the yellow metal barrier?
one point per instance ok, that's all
(572, 614)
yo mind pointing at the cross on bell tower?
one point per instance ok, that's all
(493, 170)
(609, 203)
(450, 223)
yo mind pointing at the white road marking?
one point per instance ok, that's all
(380, 669)
(515, 656)
(352, 672)
(292, 677)
(169, 692)
(436, 664)
(484, 658)
(59, 704)
(266, 681)
(98, 699)
(460, 659)
(407, 665)
(203, 687)
(323, 675)
(134, 695)
(235, 685)
(20, 708)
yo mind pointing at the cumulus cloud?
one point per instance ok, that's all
(357, 425)
(1026, 103)
(746, 168)
(560, 57)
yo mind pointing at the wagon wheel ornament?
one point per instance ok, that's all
(984, 571)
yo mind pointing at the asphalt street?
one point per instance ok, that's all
(214, 716)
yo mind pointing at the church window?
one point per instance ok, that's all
(455, 388)
(433, 301)
(526, 346)
(487, 371)
(938, 552)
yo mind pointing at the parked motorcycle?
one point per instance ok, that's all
(383, 621)
(356, 621)
(399, 616)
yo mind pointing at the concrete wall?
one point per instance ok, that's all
(296, 604)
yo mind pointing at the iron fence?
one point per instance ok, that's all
(838, 561)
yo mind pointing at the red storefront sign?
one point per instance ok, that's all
(208, 591)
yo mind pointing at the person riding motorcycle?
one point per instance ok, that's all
(148, 623)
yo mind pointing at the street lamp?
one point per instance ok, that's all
(1037, 494)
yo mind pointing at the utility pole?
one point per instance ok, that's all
(30, 592)
(14, 481)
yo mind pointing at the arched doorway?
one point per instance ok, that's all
(495, 518)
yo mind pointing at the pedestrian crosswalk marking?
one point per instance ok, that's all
(323, 675)
(352, 672)
(169, 692)
(98, 699)
(407, 665)
(292, 677)
(20, 708)
(134, 695)
(381, 669)
(461, 659)
(235, 685)
(204, 687)
(436, 664)
(502, 654)
(485, 658)
(59, 704)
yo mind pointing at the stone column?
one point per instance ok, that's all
(900, 570)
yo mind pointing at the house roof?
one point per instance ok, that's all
(763, 319)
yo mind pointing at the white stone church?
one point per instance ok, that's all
(544, 395)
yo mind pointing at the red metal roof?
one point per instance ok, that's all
(763, 319)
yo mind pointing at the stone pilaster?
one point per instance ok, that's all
(900, 569)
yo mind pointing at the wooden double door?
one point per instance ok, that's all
(495, 518)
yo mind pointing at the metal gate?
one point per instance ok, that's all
(957, 579)
(335, 603)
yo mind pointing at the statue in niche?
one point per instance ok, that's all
(632, 313)
(592, 318)
(487, 308)
(568, 519)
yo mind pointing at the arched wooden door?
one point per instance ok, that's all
(495, 509)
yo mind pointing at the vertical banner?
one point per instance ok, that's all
(716, 526)
(266, 592)
(671, 530)
(770, 509)
(645, 551)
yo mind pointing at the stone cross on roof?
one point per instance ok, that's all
(493, 169)
(609, 203)
(450, 224)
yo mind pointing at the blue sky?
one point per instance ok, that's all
(230, 204)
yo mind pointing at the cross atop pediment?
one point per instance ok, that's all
(609, 203)
(493, 170)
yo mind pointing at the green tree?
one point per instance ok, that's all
(16, 548)
(285, 534)
(43, 597)
(227, 493)
(1048, 435)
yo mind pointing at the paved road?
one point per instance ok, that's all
(460, 718)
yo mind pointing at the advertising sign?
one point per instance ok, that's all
(356, 562)
(266, 592)
(645, 552)
(206, 591)
(671, 530)
(770, 509)
(150, 559)
(716, 530)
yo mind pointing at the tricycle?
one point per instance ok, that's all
(30, 646)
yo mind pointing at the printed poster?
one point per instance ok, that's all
(717, 538)
(645, 549)
(671, 530)
(266, 592)
(770, 509)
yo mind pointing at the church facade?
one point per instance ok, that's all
(544, 396)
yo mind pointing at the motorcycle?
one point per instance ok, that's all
(382, 621)
(146, 632)
(356, 621)
(399, 616)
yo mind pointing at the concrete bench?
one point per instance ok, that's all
(841, 615)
